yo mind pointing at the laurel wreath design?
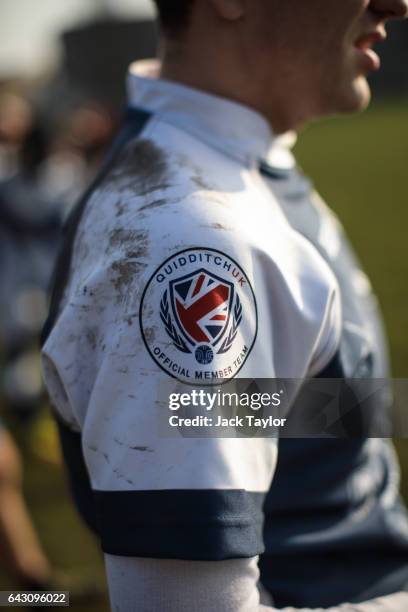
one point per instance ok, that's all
(170, 328)
(226, 345)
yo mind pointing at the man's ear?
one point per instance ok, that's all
(229, 9)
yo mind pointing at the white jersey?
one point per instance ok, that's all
(184, 266)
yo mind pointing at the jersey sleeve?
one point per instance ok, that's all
(174, 302)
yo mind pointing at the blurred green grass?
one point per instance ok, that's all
(68, 544)
(360, 166)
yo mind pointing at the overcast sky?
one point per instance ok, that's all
(29, 28)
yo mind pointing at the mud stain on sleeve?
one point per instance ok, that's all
(91, 336)
(72, 338)
(123, 370)
(131, 248)
(199, 181)
(128, 239)
(150, 334)
(142, 168)
(136, 253)
(217, 226)
(120, 208)
(155, 204)
(125, 272)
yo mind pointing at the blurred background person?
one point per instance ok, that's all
(21, 552)
(31, 212)
(55, 125)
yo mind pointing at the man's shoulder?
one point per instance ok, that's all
(164, 187)
(167, 160)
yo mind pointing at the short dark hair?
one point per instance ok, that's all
(173, 14)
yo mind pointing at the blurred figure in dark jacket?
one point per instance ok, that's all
(41, 172)
(29, 233)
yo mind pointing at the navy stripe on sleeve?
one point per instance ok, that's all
(199, 525)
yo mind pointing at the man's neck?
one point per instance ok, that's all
(226, 82)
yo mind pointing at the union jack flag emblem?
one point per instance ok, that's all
(201, 305)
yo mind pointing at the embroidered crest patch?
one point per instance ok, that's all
(201, 308)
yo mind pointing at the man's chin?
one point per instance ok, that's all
(353, 98)
(358, 97)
